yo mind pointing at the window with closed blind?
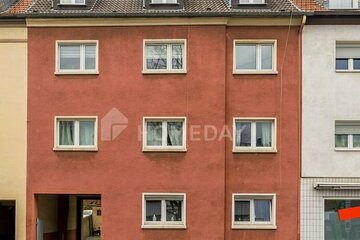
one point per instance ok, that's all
(348, 57)
(77, 57)
(347, 135)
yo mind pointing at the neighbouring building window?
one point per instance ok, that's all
(253, 211)
(76, 133)
(164, 1)
(343, 4)
(164, 210)
(7, 219)
(254, 56)
(164, 134)
(73, 57)
(347, 135)
(347, 57)
(71, 2)
(168, 56)
(336, 229)
(254, 134)
(252, 1)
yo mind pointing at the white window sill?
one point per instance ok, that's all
(173, 226)
(164, 72)
(76, 73)
(255, 72)
(347, 71)
(61, 149)
(254, 226)
(254, 150)
(164, 150)
(347, 149)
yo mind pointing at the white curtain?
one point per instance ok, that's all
(154, 133)
(266, 134)
(87, 133)
(175, 133)
(66, 129)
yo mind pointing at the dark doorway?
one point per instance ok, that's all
(7, 220)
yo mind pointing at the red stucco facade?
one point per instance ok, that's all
(208, 94)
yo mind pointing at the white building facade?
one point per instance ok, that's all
(330, 128)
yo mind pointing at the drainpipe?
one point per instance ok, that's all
(303, 22)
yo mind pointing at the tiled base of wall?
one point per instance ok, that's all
(312, 205)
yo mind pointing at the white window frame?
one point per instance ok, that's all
(76, 146)
(72, 3)
(164, 147)
(350, 60)
(252, 224)
(163, 223)
(355, 5)
(258, 69)
(164, 2)
(350, 147)
(253, 148)
(251, 2)
(82, 69)
(167, 42)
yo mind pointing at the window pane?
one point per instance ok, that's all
(342, 64)
(153, 210)
(243, 134)
(262, 210)
(177, 56)
(80, 1)
(357, 63)
(335, 229)
(156, 56)
(175, 134)
(90, 57)
(340, 4)
(69, 57)
(246, 56)
(263, 134)
(341, 140)
(266, 57)
(154, 133)
(87, 132)
(173, 210)
(242, 211)
(356, 140)
(66, 133)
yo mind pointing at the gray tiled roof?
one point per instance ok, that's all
(135, 8)
(6, 4)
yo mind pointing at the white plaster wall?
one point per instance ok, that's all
(327, 96)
